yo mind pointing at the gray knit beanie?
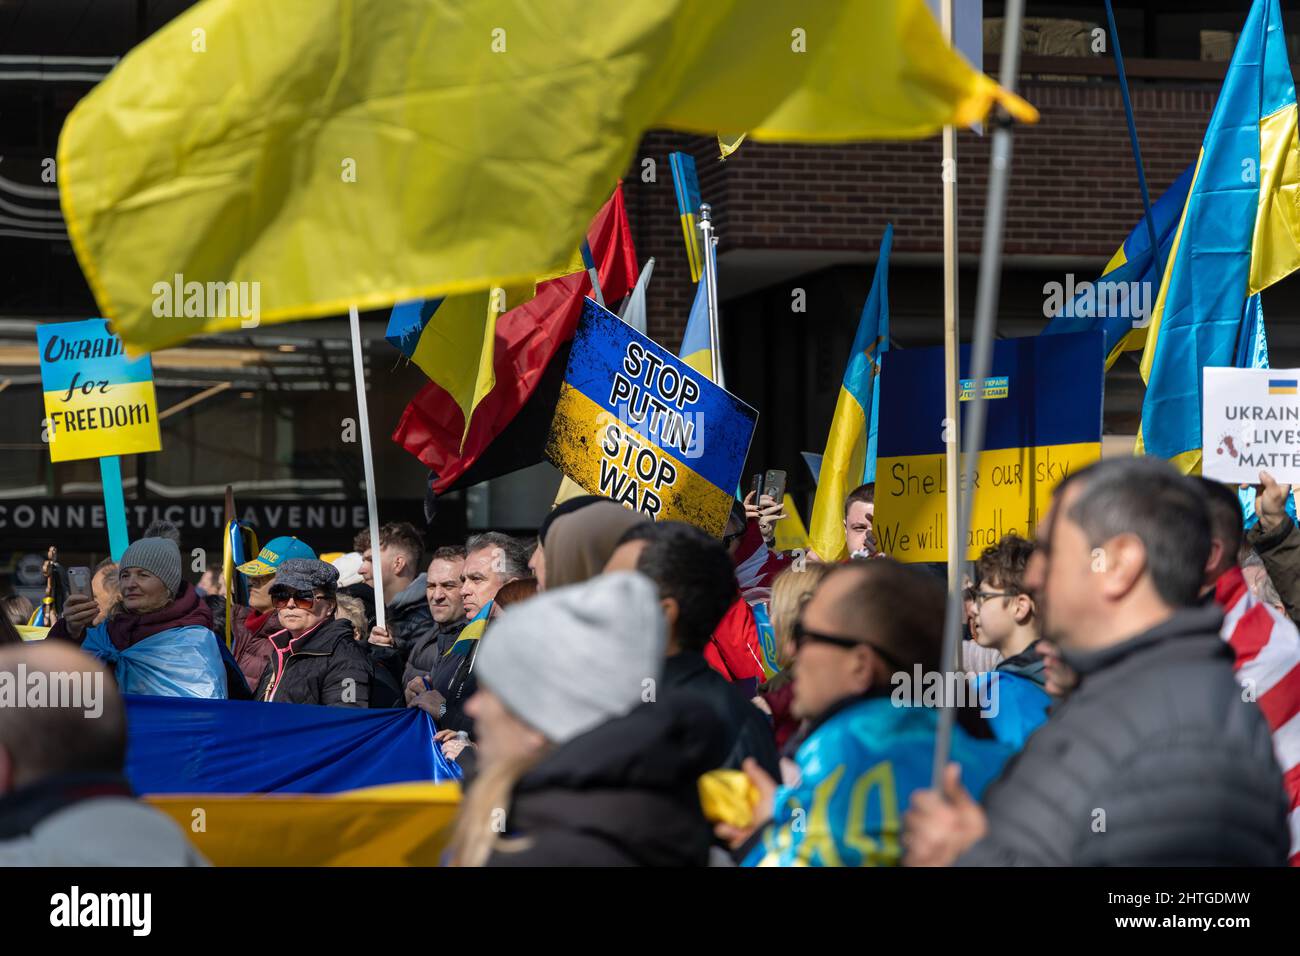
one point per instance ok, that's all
(159, 556)
(570, 659)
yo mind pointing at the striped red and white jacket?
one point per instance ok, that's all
(757, 565)
(1267, 649)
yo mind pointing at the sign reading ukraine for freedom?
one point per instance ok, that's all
(637, 424)
(1044, 422)
(97, 402)
(1251, 423)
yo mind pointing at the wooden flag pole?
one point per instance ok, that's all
(986, 301)
(951, 341)
(372, 502)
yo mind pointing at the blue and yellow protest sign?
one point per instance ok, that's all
(637, 424)
(98, 403)
(1044, 422)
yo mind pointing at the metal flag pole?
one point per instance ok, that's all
(986, 300)
(372, 503)
(951, 342)
(1132, 132)
(710, 244)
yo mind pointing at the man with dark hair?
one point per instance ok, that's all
(1156, 760)
(64, 798)
(697, 585)
(859, 520)
(868, 631)
(442, 588)
(1264, 641)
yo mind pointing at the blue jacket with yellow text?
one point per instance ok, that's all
(858, 768)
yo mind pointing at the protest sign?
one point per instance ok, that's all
(1250, 422)
(639, 425)
(1044, 422)
(98, 403)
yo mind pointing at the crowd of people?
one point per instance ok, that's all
(623, 691)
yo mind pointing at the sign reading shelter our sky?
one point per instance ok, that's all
(1250, 422)
(1044, 422)
(637, 424)
(98, 403)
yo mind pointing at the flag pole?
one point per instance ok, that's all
(589, 260)
(986, 300)
(711, 289)
(1132, 132)
(951, 342)
(372, 503)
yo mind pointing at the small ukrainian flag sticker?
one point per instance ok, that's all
(1282, 386)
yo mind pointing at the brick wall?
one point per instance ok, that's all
(1073, 187)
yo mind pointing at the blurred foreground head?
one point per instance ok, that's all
(865, 621)
(1124, 544)
(60, 714)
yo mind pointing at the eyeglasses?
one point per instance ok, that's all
(302, 600)
(979, 597)
(803, 635)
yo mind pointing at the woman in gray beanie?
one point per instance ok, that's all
(158, 636)
(579, 764)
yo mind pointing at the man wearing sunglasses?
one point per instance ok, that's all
(868, 626)
(314, 659)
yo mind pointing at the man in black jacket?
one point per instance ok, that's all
(442, 593)
(1155, 759)
(697, 584)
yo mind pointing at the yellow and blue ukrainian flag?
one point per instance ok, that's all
(850, 456)
(1136, 268)
(697, 349)
(686, 184)
(1239, 234)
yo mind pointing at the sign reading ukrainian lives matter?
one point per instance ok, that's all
(637, 424)
(1250, 422)
(98, 403)
(1044, 422)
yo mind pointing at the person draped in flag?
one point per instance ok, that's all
(1265, 643)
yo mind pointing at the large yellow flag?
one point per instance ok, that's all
(323, 153)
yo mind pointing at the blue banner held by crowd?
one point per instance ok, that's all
(185, 745)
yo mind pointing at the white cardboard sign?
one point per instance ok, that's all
(1250, 422)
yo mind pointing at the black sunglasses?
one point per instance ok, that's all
(803, 635)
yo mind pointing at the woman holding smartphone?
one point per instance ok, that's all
(158, 635)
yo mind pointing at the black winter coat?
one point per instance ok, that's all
(428, 650)
(1154, 760)
(325, 666)
(748, 730)
(624, 794)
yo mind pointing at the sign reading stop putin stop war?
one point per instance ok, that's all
(97, 402)
(637, 424)
(1044, 422)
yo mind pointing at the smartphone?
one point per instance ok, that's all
(79, 580)
(774, 485)
(756, 487)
